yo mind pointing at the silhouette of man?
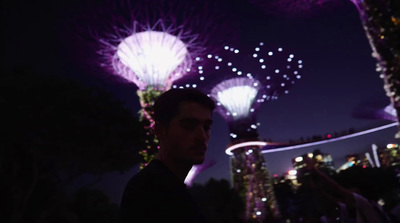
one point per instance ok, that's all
(183, 119)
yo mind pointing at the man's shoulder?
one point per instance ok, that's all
(143, 180)
(152, 177)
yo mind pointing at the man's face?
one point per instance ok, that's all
(186, 138)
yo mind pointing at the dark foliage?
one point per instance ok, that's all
(55, 130)
(218, 201)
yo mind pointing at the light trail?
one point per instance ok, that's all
(330, 140)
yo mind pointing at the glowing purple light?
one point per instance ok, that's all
(151, 58)
(236, 95)
(154, 43)
(196, 169)
(391, 111)
(293, 8)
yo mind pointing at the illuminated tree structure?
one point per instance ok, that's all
(151, 59)
(155, 46)
(250, 176)
(381, 22)
(239, 83)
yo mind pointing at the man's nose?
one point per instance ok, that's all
(202, 134)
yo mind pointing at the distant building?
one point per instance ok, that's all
(355, 159)
(323, 161)
(389, 155)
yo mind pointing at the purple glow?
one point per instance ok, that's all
(295, 7)
(237, 96)
(152, 55)
(373, 112)
(151, 58)
(196, 169)
(390, 113)
(154, 43)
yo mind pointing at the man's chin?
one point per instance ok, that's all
(198, 161)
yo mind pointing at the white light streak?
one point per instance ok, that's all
(375, 153)
(330, 140)
(369, 159)
(230, 149)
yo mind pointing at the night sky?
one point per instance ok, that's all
(338, 75)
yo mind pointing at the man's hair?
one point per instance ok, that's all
(166, 106)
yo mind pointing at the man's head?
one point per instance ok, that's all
(183, 118)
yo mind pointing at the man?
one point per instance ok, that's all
(183, 119)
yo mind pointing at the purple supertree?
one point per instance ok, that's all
(374, 111)
(152, 44)
(240, 82)
(381, 22)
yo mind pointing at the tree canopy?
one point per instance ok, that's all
(55, 130)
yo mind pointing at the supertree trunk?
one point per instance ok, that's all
(147, 98)
(251, 179)
(381, 22)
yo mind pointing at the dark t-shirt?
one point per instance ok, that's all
(156, 194)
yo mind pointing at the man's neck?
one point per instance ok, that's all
(178, 168)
